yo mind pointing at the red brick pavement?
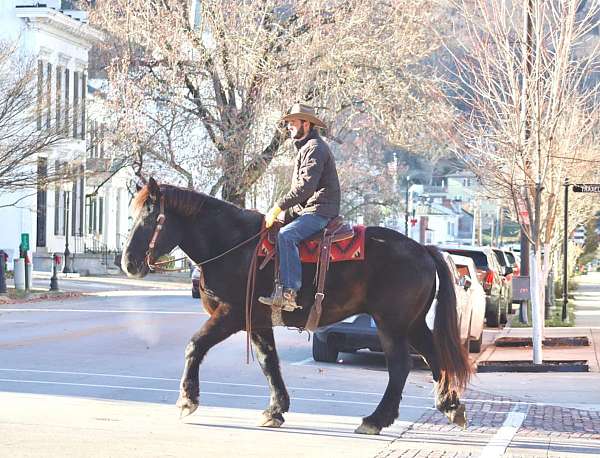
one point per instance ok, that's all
(432, 436)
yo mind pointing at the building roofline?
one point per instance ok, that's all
(60, 21)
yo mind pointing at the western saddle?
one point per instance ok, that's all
(335, 231)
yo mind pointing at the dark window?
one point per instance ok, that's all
(500, 257)
(100, 214)
(479, 258)
(48, 95)
(83, 91)
(67, 100)
(101, 140)
(74, 207)
(42, 174)
(511, 257)
(58, 95)
(92, 215)
(81, 203)
(75, 104)
(40, 90)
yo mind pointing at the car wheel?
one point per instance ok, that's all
(492, 319)
(475, 345)
(322, 351)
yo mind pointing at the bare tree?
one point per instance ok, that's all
(527, 77)
(235, 66)
(27, 128)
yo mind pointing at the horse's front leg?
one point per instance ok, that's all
(219, 326)
(266, 353)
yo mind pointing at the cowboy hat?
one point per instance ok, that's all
(304, 112)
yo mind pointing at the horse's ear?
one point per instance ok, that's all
(153, 189)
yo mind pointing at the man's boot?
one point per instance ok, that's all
(289, 300)
(281, 298)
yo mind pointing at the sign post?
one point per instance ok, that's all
(576, 188)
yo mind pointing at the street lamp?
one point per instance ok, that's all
(67, 253)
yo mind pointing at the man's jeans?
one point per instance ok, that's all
(289, 238)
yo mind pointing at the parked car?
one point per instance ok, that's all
(489, 274)
(514, 262)
(506, 272)
(195, 283)
(476, 297)
(360, 331)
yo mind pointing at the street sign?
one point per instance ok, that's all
(521, 289)
(25, 241)
(586, 188)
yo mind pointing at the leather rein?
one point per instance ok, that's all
(155, 266)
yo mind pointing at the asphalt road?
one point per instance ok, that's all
(126, 342)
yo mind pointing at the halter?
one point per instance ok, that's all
(160, 221)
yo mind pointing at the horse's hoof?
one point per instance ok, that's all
(458, 416)
(186, 407)
(271, 422)
(366, 428)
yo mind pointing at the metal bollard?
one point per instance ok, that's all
(54, 278)
(2, 276)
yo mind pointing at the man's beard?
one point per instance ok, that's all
(299, 133)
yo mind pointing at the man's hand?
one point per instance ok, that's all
(271, 216)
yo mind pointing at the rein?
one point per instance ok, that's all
(157, 266)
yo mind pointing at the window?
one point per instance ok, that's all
(59, 89)
(75, 104)
(59, 211)
(67, 98)
(101, 139)
(100, 214)
(81, 204)
(48, 95)
(91, 215)
(40, 90)
(42, 174)
(83, 91)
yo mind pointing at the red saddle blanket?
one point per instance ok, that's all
(351, 249)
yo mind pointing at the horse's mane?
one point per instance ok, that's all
(185, 202)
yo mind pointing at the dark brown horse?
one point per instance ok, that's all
(395, 284)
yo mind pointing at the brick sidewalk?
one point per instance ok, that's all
(546, 431)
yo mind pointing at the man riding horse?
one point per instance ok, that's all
(312, 201)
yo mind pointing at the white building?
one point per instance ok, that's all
(59, 213)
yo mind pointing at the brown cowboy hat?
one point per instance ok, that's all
(304, 112)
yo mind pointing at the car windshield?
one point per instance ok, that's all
(500, 257)
(478, 257)
(511, 257)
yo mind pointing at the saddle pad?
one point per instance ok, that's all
(352, 249)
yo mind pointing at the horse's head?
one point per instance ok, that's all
(155, 232)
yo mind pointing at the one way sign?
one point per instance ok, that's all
(586, 188)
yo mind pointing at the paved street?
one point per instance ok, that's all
(98, 376)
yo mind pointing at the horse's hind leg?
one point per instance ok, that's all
(399, 365)
(264, 346)
(222, 324)
(446, 400)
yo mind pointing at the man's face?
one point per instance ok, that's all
(297, 128)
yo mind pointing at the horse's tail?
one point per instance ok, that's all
(453, 359)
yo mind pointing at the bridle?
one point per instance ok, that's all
(155, 266)
(160, 221)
